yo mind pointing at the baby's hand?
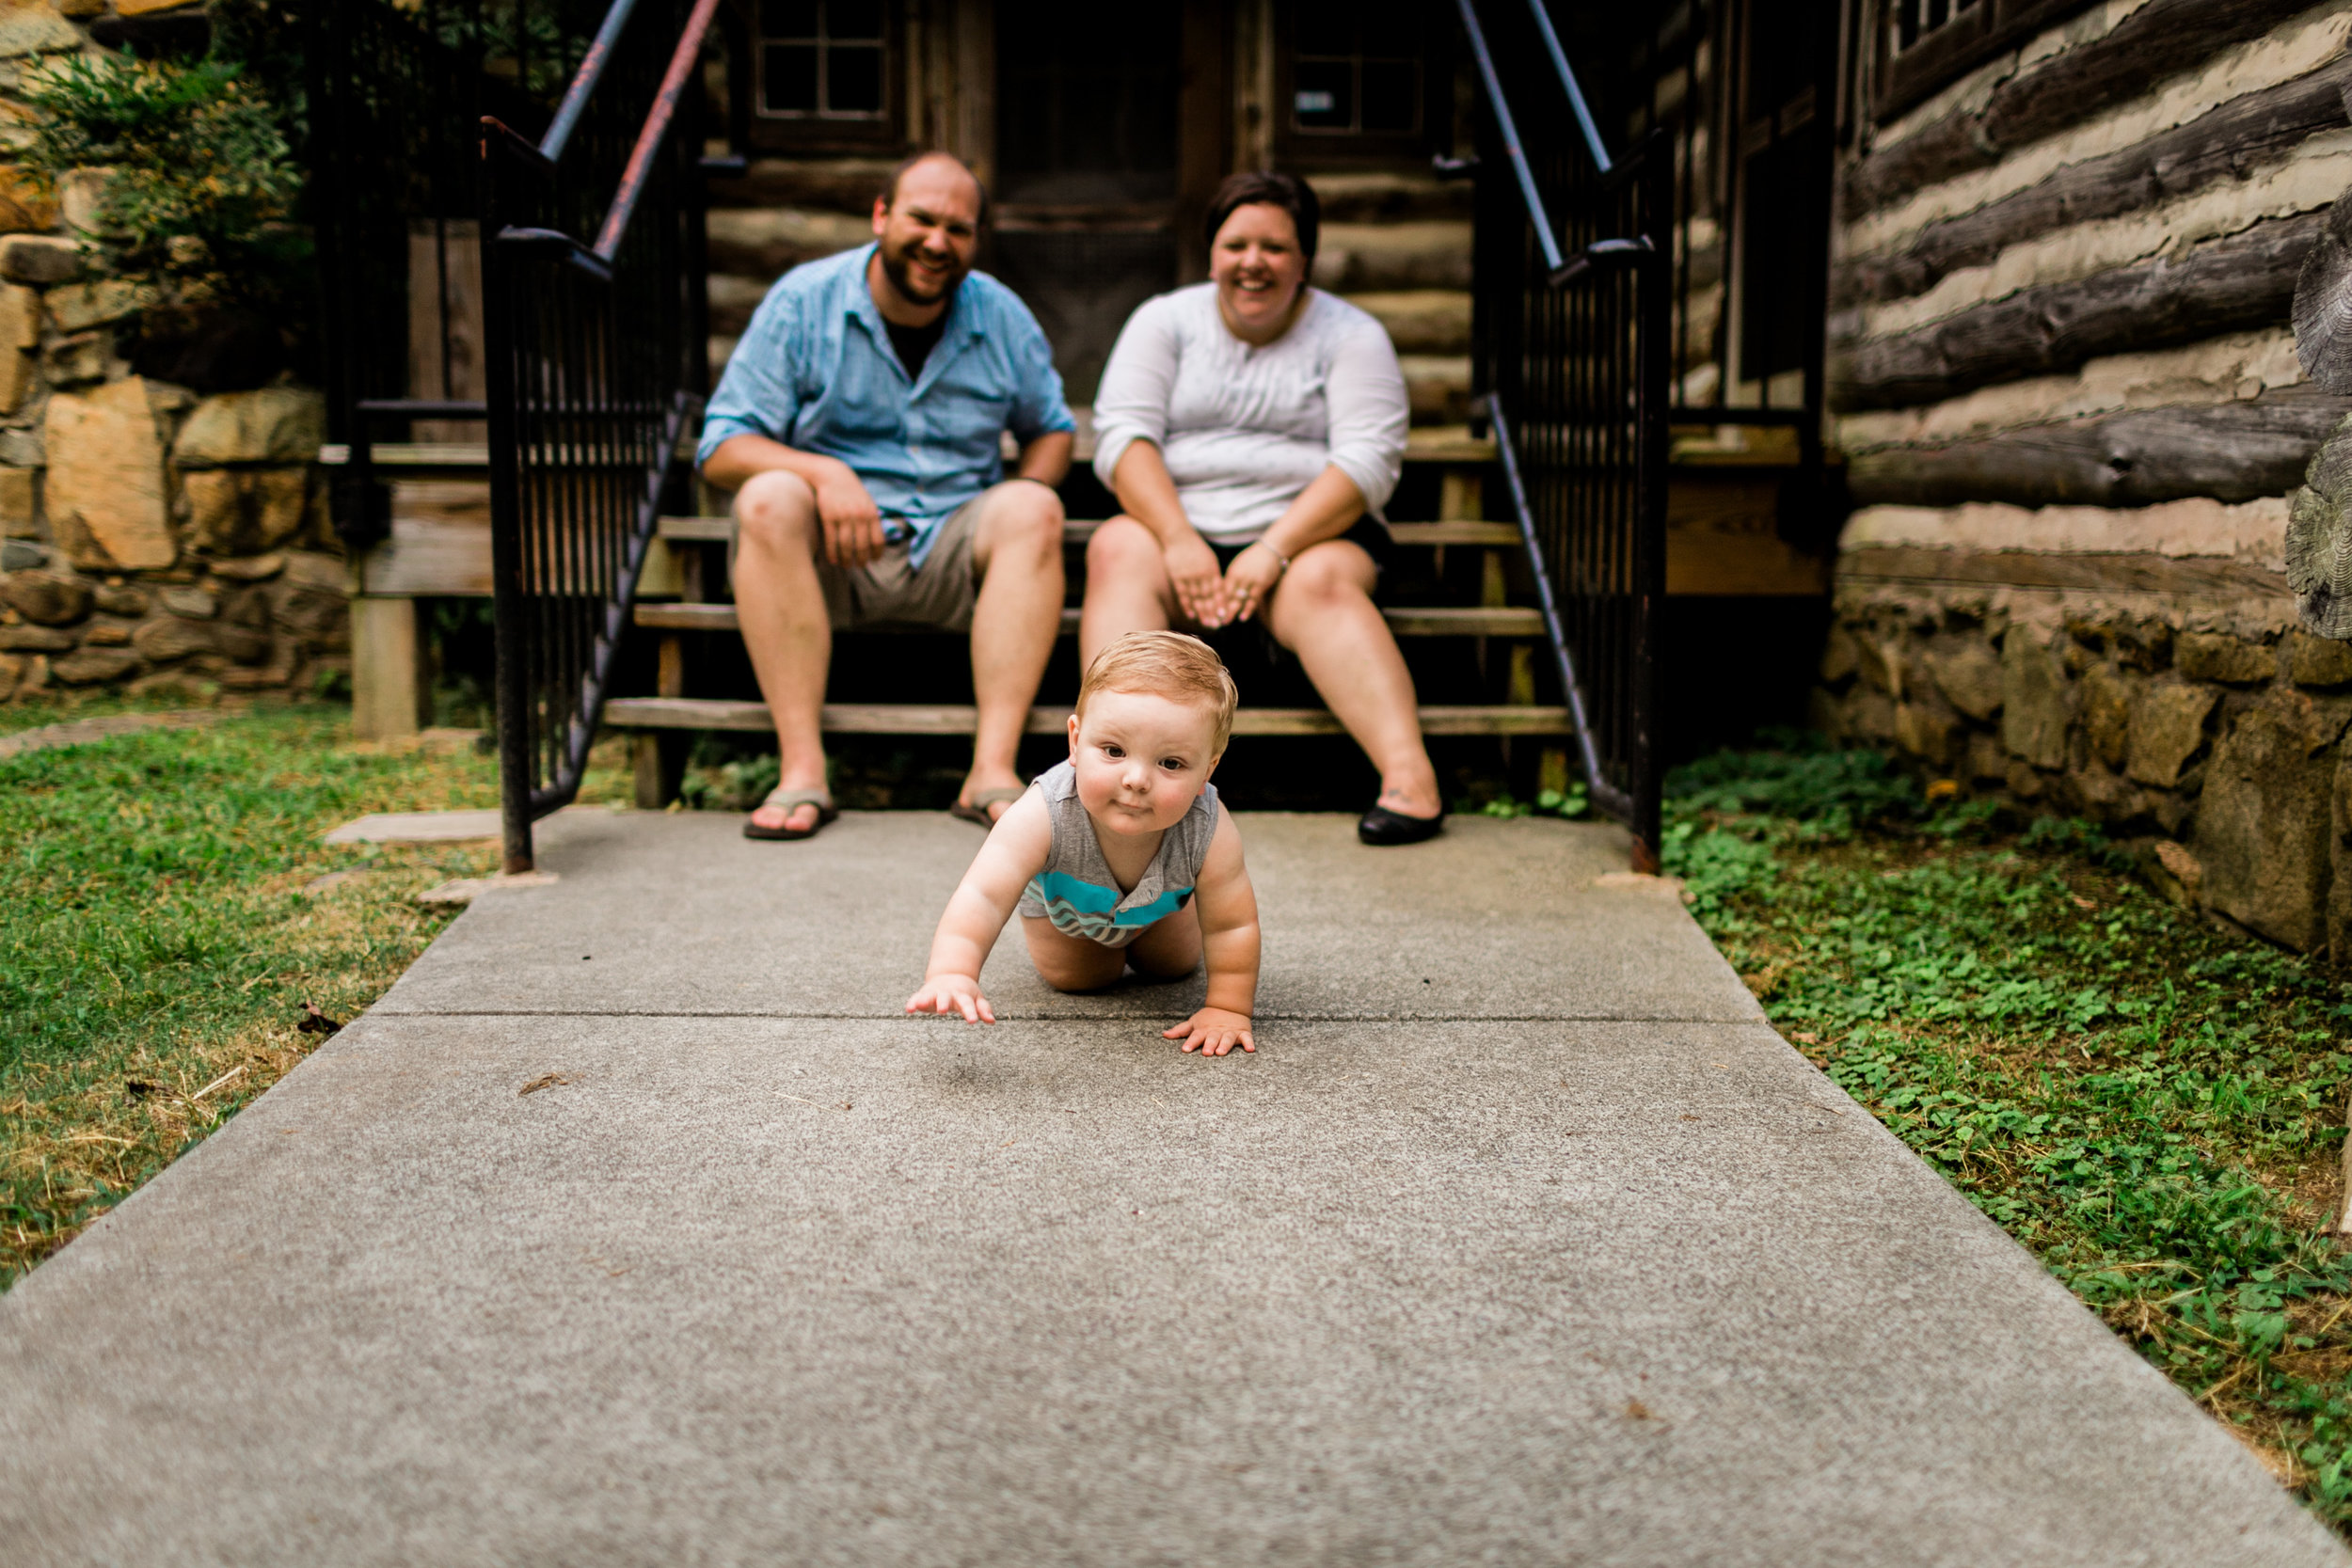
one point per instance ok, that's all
(954, 993)
(1212, 1032)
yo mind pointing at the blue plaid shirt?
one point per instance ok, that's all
(815, 370)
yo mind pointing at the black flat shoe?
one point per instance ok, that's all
(1382, 826)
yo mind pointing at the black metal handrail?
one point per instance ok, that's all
(1572, 334)
(597, 367)
(1616, 801)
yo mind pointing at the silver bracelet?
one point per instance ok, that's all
(1278, 555)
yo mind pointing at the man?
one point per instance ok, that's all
(859, 426)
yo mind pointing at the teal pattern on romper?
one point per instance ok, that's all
(1076, 891)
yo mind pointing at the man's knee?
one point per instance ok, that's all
(1027, 518)
(776, 511)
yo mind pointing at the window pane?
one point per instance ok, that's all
(1325, 100)
(1326, 27)
(1391, 27)
(789, 84)
(853, 79)
(787, 19)
(1391, 95)
(853, 19)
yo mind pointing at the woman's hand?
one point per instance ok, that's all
(1250, 580)
(1192, 572)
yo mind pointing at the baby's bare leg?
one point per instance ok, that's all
(1170, 949)
(1070, 964)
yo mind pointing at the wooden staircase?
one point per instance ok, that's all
(1442, 605)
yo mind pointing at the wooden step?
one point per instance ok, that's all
(1435, 621)
(711, 713)
(1448, 444)
(717, 531)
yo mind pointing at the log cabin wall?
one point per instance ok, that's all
(2062, 378)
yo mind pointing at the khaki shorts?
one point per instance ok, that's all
(888, 592)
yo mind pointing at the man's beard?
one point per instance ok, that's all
(901, 276)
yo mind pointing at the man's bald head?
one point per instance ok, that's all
(936, 173)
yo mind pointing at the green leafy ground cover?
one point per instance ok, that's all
(2151, 1105)
(163, 923)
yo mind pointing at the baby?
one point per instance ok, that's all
(1120, 855)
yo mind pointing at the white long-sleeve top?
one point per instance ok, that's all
(1244, 429)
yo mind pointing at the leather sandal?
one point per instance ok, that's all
(789, 800)
(975, 809)
(1382, 826)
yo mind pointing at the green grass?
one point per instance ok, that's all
(2152, 1105)
(157, 943)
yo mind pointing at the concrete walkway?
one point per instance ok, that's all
(1523, 1239)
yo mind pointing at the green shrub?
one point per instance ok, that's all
(202, 188)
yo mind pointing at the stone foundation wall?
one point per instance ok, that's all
(2212, 733)
(149, 533)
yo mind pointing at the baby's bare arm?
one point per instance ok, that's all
(1228, 907)
(1016, 850)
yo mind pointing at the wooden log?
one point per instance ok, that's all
(2132, 572)
(2233, 452)
(2228, 143)
(2159, 39)
(2319, 541)
(2323, 305)
(2231, 284)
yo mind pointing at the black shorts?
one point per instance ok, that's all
(1368, 533)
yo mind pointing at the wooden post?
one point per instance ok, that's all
(657, 757)
(388, 692)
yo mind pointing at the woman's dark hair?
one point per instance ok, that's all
(1293, 196)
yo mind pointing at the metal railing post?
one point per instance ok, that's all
(510, 603)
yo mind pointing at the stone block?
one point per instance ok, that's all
(11, 673)
(107, 634)
(243, 645)
(40, 259)
(2206, 655)
(2168, 727)
(1969, 677)
(319, 616)
(16, 378)
(2264, 824)
(35, 30)
(24, 207)
(1926, 733)
(46, 599)
(2036, 707)
(2178, 877)
(1881, 663)
(2107, 703)
(238, 511)
(1869, 716)
(35, 639)
(19, 501)
(24, 449)
(170, 638)
(189, 604)
(82, 193)
(2318, 660)
(275, 424)
(251, 568)
(19, 316)
(1987, 762)
(107, 474)
(77, 306)
(80, 358)
(1839, 662)
(120, 599)
(95, 666)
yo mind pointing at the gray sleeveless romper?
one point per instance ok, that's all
(1077, 890)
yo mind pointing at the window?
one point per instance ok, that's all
(1925, 45)
(1356, 68)
(822, 60)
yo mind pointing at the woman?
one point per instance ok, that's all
(1252, 428)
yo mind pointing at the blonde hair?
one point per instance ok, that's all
(1166, 664)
